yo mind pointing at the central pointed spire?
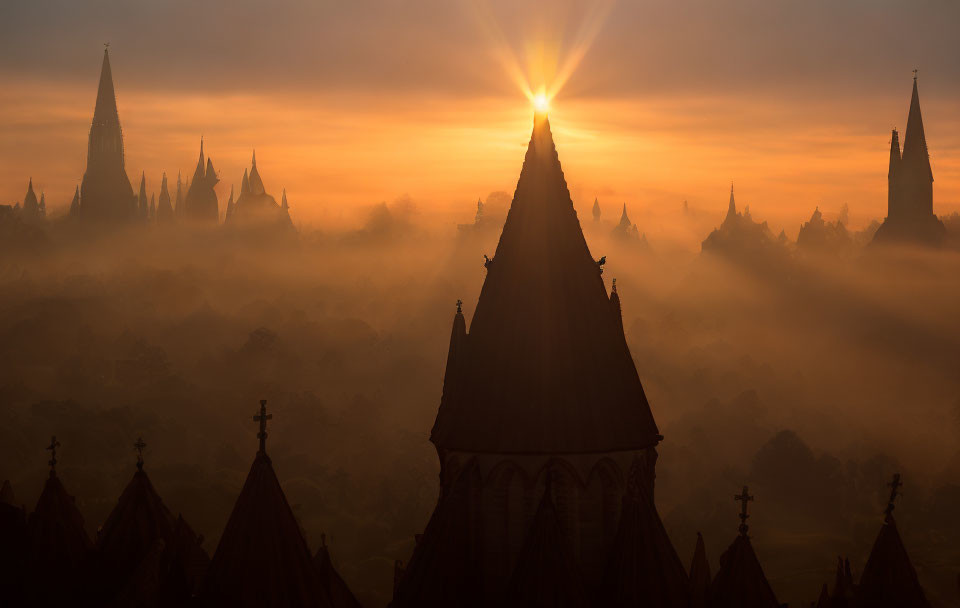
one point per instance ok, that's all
(545, 367)
(105, 111)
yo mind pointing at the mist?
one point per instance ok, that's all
(810, 376)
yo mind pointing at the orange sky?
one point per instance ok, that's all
(447, 137)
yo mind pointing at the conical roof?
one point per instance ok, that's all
(199, 171)
(915, 154)
(245, 183)
(211, 175)
(740, 581)
(644, 568)
(164, 207)
(137, 522)
(596, 209)
(545, 575)
(337, 590)
(731, 207)
(256, 184)
(894, 154)
(57, 540)
(544, 368)
(624, 219)
(699, 575)
(442, 571)
(889, 579)
(30, 203)
(105, 112)
(262, 559)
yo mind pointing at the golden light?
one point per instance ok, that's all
(541, 103)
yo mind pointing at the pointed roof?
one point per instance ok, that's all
(915, 153)
(889, 579)
(245, 183)
(823, 601)
(644, 568)
(336, 588)
(30, 202)
(143, 186)
(442, 571)
(283, 201)
(137, 522)
(624, 220)
(105, 112)
(262, 558)
(699, 575)
(256, 184)
(56, 535)
(211, 175)
(740, 581)
(198, 172)
(545, 575)
(732, 206)
(596, 208)
(545, 369)
(894, 153)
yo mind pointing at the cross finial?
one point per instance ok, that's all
(895, 486)
(138, 446)
(262, 418)
(54, 444)
(459, 305)
(743, 498)
(915, 70)
(614, 286)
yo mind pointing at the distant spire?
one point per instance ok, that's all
(596, 209)
(43, 204)
(256, 184)
(245, 183)
(915, 153)
(230, 206)
(283, 204)
(198, 173)
(732, 207)
(624, 220)
(105, 112)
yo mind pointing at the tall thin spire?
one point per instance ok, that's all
(914, 140)
(105, 112)
(732, 207)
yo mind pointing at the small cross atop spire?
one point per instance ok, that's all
(459, 305)
(895, 486)
(915, 70)
(138, 446)
(743, 498)
(262, 418)
(54, 444)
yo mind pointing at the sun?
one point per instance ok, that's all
(541, 102)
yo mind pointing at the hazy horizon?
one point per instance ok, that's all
(416, 101)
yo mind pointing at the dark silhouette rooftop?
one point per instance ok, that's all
(544, 367)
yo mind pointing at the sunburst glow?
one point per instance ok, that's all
(541, 103)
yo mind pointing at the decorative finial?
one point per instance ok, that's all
(138, 446)
(459, 306)
(106, 45)
(895, 486)
(262, 418)
(915, 70)
(54, 444)
(613, 288)
(743, 498)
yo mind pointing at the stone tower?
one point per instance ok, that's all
(910, 216)
(542, 387)
(105, 193)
